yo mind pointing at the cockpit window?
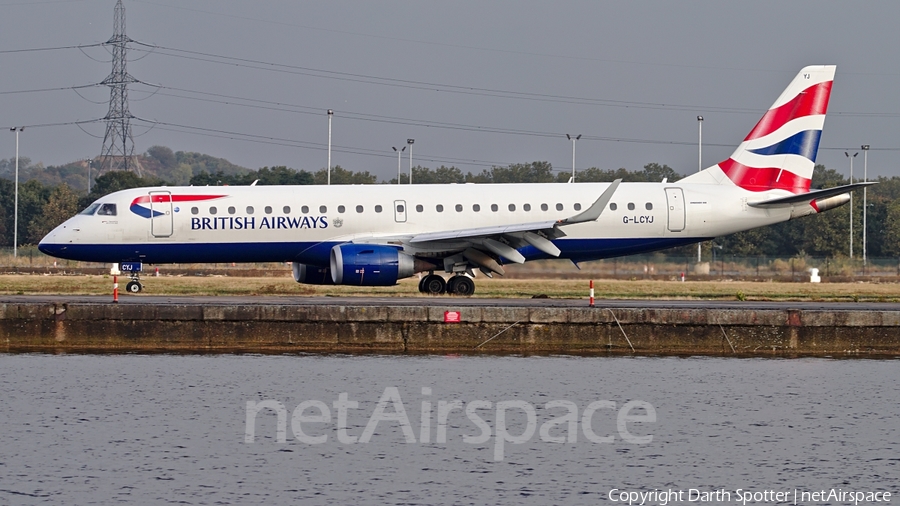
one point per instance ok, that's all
(107, 210)
(90, 210)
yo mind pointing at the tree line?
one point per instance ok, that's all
(44, 205)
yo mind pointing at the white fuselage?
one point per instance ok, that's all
(302, 223)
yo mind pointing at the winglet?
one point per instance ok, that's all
(593, 212)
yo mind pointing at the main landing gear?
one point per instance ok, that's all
(433, 284)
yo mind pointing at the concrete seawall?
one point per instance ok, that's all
(343, 327)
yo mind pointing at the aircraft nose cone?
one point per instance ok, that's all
(50, 244)
(46, 247)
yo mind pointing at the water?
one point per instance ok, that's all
(137, 429)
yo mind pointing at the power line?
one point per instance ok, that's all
(64, 123)
(481, 48)
(118, 117)
(42, 90)
(423, 85)
(310, 110)
(36, 49)
(458, 89)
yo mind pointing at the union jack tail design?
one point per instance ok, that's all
(780, 152)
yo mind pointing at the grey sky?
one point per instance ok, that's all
(637, 74)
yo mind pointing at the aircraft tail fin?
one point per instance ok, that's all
(780, 152)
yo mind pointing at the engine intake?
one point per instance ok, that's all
(370, 265)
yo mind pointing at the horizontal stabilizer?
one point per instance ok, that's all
(809, 196)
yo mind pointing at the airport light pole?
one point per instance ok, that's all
(573, 139)
(399, 151)
(851, 199)
(699, 165)
(17, 130)
(330, 115)
(410, 142)
(865, 148)
(90, 166)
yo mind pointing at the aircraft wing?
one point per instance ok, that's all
(504, 240)
(809, 196)
(469, 233)
(550, 227)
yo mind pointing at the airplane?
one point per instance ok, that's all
(375, 235)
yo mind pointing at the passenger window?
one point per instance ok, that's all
(613, 206)
(249, 209)
(93, 209)
(476, 207)
(194, 210)
(544, 207)
(401, 208)
(512, 207)
(323, 209)
(378, 209)
(649, 206)
(359, 209)
(213, 210)
(559, 207)
(439, 208)
(631, 206)
(107, 210)
(341, 209)
(287, 209)
(268, 209)
(459, 208)
(231, 210)
(527, 207)
(419, 208)
(304, 209)
(578, 207)
(494, 207)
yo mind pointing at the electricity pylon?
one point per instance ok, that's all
(118, 143)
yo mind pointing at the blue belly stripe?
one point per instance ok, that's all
(578, 250)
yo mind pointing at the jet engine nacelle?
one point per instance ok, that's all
(311, 275)
(370, 265)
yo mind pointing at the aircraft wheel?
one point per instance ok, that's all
(461, 285)
(134, 287)
(433, 284)
(422, 284)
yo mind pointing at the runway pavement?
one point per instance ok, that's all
(450, 302)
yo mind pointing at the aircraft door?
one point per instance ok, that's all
(400, 211)
(161, 215)
(675, 202)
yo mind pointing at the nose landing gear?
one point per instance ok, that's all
(134, 286)
(133, 270)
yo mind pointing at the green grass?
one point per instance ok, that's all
(492, 288)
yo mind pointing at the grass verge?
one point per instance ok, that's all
(491, 288)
